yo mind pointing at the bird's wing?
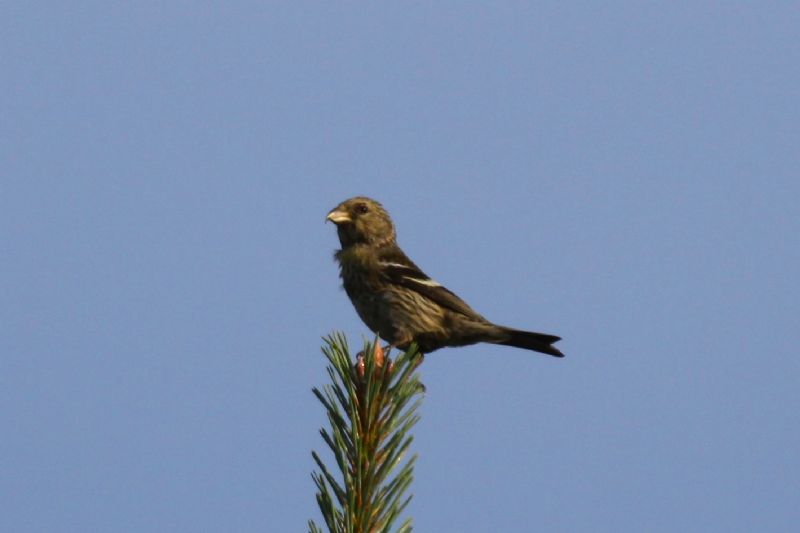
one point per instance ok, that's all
(399, 269)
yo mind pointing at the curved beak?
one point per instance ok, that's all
(338, 217)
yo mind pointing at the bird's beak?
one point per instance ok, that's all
(338, 217)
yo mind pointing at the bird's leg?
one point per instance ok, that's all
(419, 357)
(403, 346)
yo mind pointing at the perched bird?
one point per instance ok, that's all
(399, 301)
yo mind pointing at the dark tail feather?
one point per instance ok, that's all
(529, 340)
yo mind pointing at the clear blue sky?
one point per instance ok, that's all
(623, 175)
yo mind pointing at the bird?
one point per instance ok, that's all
(398, 301)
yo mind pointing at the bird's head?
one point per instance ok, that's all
(362, 220)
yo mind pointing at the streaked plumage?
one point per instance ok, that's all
(398, 301)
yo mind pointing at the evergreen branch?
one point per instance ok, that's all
(372, 408)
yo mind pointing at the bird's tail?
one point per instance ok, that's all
(529, 340)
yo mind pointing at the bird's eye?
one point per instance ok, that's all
(362, 208)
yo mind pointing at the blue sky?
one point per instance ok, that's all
(624, 175)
